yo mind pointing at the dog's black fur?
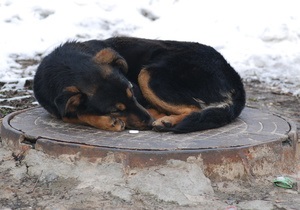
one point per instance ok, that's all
(111, 83)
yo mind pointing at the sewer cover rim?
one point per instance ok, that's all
(168, 147)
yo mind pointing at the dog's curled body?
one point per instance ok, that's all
(140, 83)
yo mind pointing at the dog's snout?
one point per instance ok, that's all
(150, 122)
(146, 120)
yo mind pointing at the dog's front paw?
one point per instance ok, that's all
(116, 125)
(162, 124)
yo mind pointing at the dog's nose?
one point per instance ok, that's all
(150, 122)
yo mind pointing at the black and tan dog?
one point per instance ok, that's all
(135, 83)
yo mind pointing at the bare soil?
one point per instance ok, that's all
(24, 191)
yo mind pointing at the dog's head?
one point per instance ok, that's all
(107, 93)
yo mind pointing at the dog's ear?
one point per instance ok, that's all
(68, 101)
(111, 57)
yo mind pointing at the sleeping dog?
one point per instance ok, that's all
(135, 83)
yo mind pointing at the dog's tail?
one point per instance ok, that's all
(213, 116)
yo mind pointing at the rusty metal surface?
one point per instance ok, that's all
(251, 128)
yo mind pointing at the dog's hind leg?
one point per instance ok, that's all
(173, 113)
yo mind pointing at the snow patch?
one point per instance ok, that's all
(260, 39)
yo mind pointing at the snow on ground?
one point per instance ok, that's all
(261, 39)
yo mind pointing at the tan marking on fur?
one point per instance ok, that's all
(155, 113)
(143, 80)
(108, 56)
(105, 56)
(103, 122)
(129, 93)
(121, 106)
(73, 103)
(123, 64)
(72, 89)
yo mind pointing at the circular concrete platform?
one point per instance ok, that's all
(256, 143)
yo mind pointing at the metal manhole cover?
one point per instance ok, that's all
(251, 128)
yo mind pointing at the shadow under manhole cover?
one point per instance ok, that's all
(257, 143)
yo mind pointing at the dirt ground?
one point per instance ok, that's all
(20, 188)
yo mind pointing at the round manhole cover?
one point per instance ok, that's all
(251, 128)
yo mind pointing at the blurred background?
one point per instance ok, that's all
(260, 39)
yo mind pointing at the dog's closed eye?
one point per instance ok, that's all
(114, 110)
